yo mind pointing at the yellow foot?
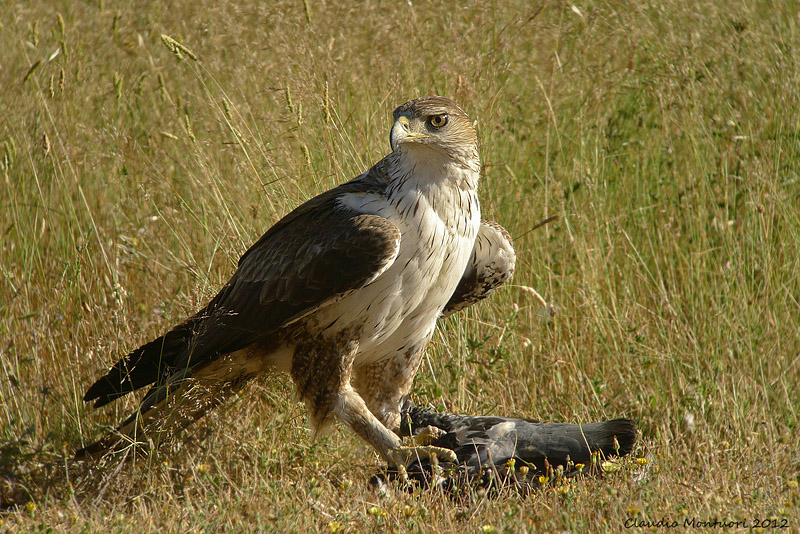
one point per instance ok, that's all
(428, 435)
(401, 457)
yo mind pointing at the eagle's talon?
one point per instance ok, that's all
(428, 435)
(402, 457)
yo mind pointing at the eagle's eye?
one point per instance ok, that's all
(437, 121)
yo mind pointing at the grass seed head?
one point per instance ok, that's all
(289, 102)
(307, 155)
(117, 80)
(326, 104)
(188, 125)
(31, 70)
(180, 51)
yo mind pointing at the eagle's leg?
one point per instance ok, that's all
(321, 370)
(384, 384)
(351, 409)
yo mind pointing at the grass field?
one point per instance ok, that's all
(665, 136)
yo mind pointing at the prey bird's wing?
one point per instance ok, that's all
(485, 441)
(312, 257)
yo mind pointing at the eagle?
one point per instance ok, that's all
(343, 294)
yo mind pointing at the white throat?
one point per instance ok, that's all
(427, 168)
(425, 180)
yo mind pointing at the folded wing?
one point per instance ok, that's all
(314, 256)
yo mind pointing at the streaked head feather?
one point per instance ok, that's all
(457, 138)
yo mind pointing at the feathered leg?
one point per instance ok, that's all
(321, 370)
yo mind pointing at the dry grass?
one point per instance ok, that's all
(666, 136)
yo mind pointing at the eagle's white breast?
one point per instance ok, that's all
(437, 211)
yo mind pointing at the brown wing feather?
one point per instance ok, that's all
(315, 255)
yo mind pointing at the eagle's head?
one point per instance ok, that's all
(435, 123)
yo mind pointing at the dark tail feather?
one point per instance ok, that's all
(142, 366)
(111, 442)
(560, 443)
(612, 438)
(132, 431)
(167, 409)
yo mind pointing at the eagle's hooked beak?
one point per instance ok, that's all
(401, 132)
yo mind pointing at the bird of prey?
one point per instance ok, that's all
(484, 445)
(343, 293)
